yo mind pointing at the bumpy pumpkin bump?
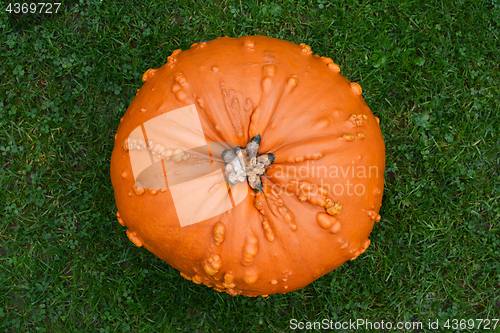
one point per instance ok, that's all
(310, 204)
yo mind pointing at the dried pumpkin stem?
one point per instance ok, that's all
(246, 164)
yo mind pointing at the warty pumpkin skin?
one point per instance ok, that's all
(320, 197)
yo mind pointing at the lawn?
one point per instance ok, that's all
(430, 70)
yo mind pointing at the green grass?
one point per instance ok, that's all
(429, 70)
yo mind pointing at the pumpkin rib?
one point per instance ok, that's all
(272, 92)
(292, 238)
(301, 103)
(314, 148)
(284, 239)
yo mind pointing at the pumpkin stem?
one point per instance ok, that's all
(246, 164)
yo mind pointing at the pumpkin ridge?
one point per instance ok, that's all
(277, 206)
(283, 241)
(232, 106)
(272, 91)
(205, 106)
(312, 149)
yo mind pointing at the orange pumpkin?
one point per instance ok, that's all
(250, 165)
